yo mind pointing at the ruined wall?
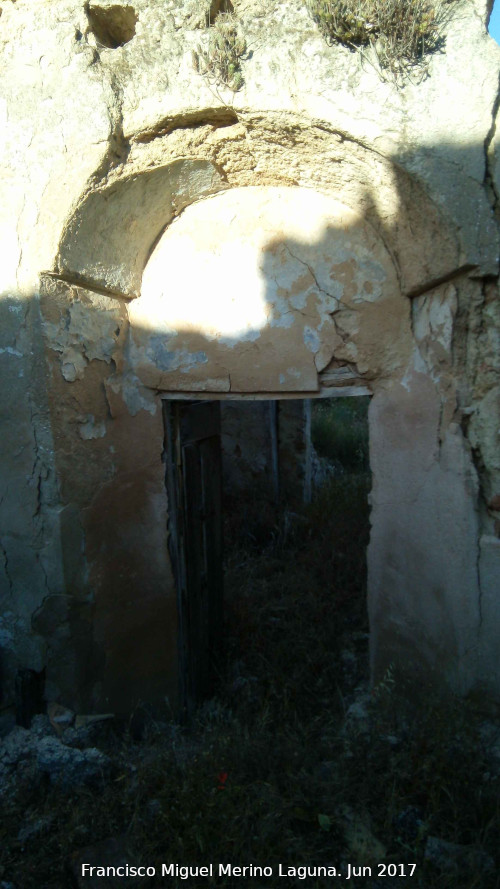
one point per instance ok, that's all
(162, 234)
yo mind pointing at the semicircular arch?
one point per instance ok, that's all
(107, 240)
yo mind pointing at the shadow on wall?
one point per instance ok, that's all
(87, 585)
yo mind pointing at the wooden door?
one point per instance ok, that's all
(194, 486)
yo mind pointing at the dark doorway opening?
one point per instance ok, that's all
(279, 482)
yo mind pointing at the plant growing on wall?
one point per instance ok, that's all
(221, 60)
(402, 32)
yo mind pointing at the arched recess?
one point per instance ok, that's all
(339, 238)
(108, 237)
(268, 289)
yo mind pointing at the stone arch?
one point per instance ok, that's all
(108, 237)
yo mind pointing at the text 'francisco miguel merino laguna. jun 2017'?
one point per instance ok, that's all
(248, 871)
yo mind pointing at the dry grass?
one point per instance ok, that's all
(220, 62)
(402, 32)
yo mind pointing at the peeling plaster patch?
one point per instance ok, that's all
(278, 304)
(367, 276)
(291, 275)
(433, 316)
(314, 278)
(138, 398)
(299, 300)
(371, 270)
(96, 327)
(91, 429)
(231, 341)
(330, 288)
(176, 359)
(343, 252)
(286, 320)
(328, 304)
(311, 339)
(10, 351)
(194, 359)
(73, 365)
(416, 365)
(87, 330)
(135, 395)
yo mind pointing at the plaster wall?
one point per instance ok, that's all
(159, 234)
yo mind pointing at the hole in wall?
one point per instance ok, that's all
(112, 26)
(218, 7)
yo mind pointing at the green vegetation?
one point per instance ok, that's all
(402, 32)
(221, 61)
(340, 431)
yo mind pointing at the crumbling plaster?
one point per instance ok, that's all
(102, 148)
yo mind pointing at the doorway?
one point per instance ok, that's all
(269, 458)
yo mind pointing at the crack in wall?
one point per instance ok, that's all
(443, 279)
(36, 474)
(479, 587)
(20, 240)
(44, 572)
(313, 276)
(3, 550)
(468, 353)
(382, 235)
(481, 377)
(190, 120)
(77, 280)
(489, 157)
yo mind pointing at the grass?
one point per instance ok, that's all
(275, 768)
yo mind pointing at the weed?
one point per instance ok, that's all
(221, 61)
(402, 32)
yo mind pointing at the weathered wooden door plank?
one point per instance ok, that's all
(194, 484)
